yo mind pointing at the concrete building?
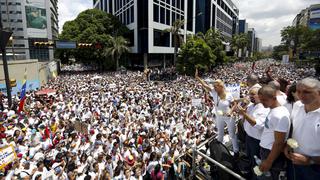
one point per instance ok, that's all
(243, 26)
(251, 38)
(30, 21)
(257, 44)
(309, 17)
(147, 19)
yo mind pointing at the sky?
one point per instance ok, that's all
(267, 17)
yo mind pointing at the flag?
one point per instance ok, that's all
(253, 66)
(23, 92)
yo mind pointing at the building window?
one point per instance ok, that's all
(173, 17)
(161, 38)
(132, 14)
(162, 15)
(155, 13)
(168, 17)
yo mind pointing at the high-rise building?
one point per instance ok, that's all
(243, 26)
(309, 17)
(251, 38)
(30, 21)
(257, 44)
(147, 20)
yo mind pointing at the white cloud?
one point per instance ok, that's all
(69, 10)
(268, 17)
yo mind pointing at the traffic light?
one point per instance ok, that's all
(84, 45)
(43, 44)
(13, 83)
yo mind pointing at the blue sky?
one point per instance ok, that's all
(268, 17)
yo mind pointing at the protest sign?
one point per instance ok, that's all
(7, 155)
(196, 102)
(234, 89)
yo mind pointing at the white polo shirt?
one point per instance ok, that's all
(278, 120)
(259, 113)
(306, 130)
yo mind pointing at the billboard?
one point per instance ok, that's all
(315, 14)
(66, 45)
(36, 17)
(314, 23)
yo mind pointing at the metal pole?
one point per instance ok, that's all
(221, 166)
(194, 158)
(6, 76)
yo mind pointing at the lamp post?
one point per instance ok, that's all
(4, 37)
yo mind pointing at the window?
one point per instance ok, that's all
(168, 17)
(173, 17)
(155, 13)
(162, 15)
(132, 14)
(161, 38)
(182, 5)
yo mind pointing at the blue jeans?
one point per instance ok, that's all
(310, 172)
(277, 166)
(252, 149)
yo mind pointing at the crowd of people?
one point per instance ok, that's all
(123, 126)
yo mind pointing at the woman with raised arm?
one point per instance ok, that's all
(223, 108)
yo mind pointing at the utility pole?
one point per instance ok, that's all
(4, 37)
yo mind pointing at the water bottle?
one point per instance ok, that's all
(258, 162)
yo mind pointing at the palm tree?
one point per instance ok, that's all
(118, 46)
(175, 30)
(239, 41)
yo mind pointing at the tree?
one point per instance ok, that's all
(91, 26)
(195, 53)
(175, 30)
(239, 41)
(118, 46)
(292, 37)
(278, 51)
(214, 40)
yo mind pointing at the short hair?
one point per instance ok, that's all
(275, 85)
(253, 79)
(310, 82)
(268, 91)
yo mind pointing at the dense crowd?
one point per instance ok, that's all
(122, 126)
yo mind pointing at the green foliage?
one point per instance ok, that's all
(175, 30)
(195, 53)
(91, 26)
(278, 51)
(239, 41)
(214, 40)
(118, 46)
(300, 38)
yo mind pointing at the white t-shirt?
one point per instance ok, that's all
(306, 130)
(282, 99)
(259, 113)
(221, 105)
(277, 120)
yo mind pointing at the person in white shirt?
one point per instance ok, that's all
(274, 134)
(254, 119)
(306, 131)
(281, 96)
(224, 104)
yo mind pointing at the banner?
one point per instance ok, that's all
(196, 102)
(7, 155)
(285, 59)
(234, 89)
(36, 17)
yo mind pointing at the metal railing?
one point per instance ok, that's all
(196, 152)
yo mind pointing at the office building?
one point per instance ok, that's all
(243, 26)
(147, 20)
(251, 39)
(30, 21)
(309, 17)
(257, 44)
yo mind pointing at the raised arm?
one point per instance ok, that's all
(204, 84)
